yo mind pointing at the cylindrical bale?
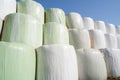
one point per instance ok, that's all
(79, 38)
(7, 7)
(24, 29)
(100, 25)
(17, 61)
(55, 33)
(91, 65)
(110, 28)
(88, 23)
(32, 8)
(111, 41)
(97, 39)
(74, 20)
(56, 62)
(55, 15)
(112, 59)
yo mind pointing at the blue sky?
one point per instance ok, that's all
(106, 10)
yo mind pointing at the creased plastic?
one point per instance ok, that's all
(97, 39)
(100, 25)
(55, 33)
(24, 29)
(32, 8)
(56, 62)
(111, 41)
(91, 65)
(88, 23)
(55, 15)
(74, 20)
(79, 38)
(7, 7)
(17, 61)
(112, 58)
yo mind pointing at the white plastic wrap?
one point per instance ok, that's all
(112, 58)
(100, 25)
(88, 23)
(55, 33)
(55, 15)
(117, 30)
(111, 41)
(97, 39)
(118, 41)
(7, 7)
(32, 8)
(110, 28)
(56, 62)
(24, 29)
(17, 61)
(79, 38)
(74, 20)
(91, 65)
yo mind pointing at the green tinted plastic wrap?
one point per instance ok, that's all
(55, 33)
(17, 61)
(24, 29)
(55, 15)
(32, 8)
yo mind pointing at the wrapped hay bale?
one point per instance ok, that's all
(112, 61)
(97, 39)
(55, 15)
(55, 33)
(32, 8)
(88, 23)
(91, 65)
(7, 7)
(56, 62)
(79, 38)
(24, 29)
(100, 25)
(74, 20)
(110, 28)
(17, 61)
(111, 41)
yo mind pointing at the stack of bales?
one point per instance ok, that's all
(49, 45)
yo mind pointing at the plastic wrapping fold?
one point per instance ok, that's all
(112, 58)
(91, 65)
(55, 15)
(7, 7)
(24, 29)
(100, 25)
(79, 38)
(97, 39)
(56, 62)
(74, 20)
(111, 41)
(117, 30)
(55, 33)
(17, 61)
(1, 22)
(111, 29)
(32, 8)
(88, 23)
